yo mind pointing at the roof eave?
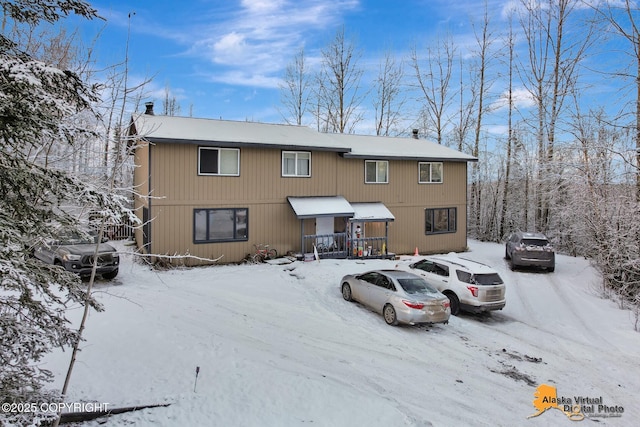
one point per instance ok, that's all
(412, 158)
(239, 144)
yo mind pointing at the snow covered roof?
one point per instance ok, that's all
(384, 147)
(171, 129)
(312, 207)
(189, 130)
(371, 211)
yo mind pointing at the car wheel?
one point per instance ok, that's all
(110, 275)
(506, 254)
(389, 314)
(454, 303)
(551, 269)
(346, 292)
(512, 265)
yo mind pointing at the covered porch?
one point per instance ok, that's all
(331, 227)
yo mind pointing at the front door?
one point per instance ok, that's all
(324, 226)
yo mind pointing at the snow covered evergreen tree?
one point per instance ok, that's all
(37, 103)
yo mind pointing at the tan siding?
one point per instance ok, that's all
(141, 184)
(261, 188)
(175, 176)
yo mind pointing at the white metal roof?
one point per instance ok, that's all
(172, 129)
(312, 207)
(384, 147)
(371, 211)
(202, 131)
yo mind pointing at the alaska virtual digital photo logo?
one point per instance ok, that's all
(576, 408)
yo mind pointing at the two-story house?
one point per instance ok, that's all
(212, 188)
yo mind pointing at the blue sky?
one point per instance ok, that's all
(225, 58)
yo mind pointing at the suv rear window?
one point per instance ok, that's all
(479, 279)
(488, 279)
(535, 242)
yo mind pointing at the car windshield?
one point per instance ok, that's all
(76, 239)
(416, 286)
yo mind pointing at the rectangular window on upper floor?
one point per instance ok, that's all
(376, 172)
(296, 163)
(218, 161)
(430, 172)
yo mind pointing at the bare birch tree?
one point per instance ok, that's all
(170, 104)
(622, 17)
(338, 90)
(554, 54)
(295, 89)
(484, 41)
(433, 80)
(510, 133)
(389, 98)
(467, 100)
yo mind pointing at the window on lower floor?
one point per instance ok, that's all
(429, 172)
(220, 225)
(218, 161)
(442, 220)
(376, 171)
(296, 163)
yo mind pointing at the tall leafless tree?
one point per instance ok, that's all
(510, 133)
(170, 104)
(554, 54)
(467, 98)
(295, 89)
(433, 83)
(338, 86)
(389, 99)
(484, 56)
(622, 17)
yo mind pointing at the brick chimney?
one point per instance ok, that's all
(149, 108)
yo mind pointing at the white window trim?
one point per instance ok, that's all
(295, 174)
(431, 181)
(376, 162)
(219, 149)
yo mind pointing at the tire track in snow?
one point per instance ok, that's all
(560, 290)
(515, 287)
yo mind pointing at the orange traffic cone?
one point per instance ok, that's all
(416, 252)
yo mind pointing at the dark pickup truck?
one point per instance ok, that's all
(75, 253)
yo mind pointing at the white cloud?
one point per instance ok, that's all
(257, 41)
(521, 99)
(229, 48)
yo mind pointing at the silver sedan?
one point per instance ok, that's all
(401, 297)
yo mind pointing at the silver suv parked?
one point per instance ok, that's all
(530, 250)
(470, 286)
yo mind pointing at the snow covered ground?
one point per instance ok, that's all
(276, 345)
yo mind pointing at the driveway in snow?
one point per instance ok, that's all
(276, 345)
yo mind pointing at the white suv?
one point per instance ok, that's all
(469, 285)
